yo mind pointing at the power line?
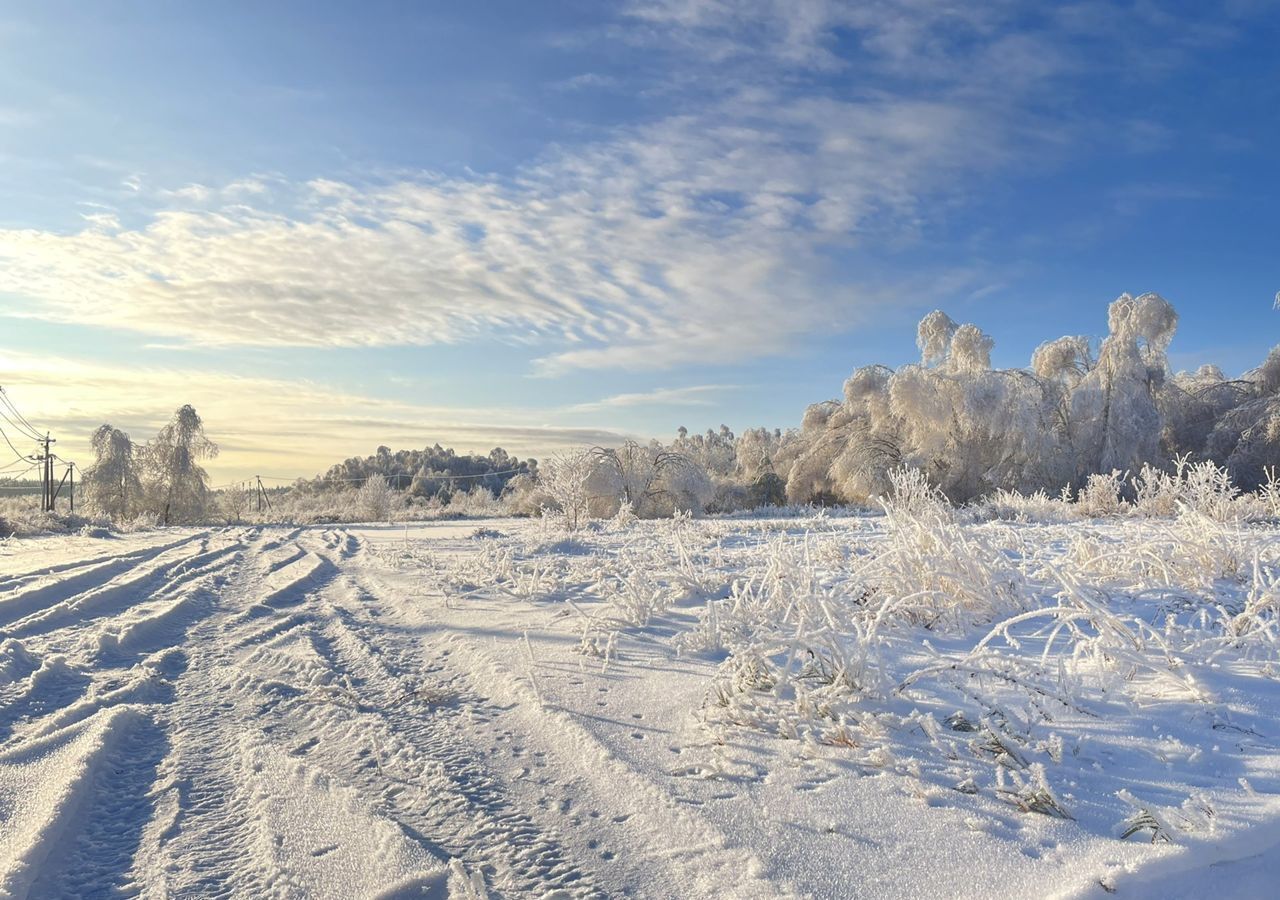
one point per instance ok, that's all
(18, 428)
(18, 475)
(31, 431)
(49, 491)
(9, 401)
(323, 479)
(18, 454)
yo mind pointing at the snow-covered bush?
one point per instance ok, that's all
(477, 502)
(565, 480)
(1102, 495)
(374, 500)
(1074, 415)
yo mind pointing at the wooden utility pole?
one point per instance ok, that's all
(262, 495)
(47, 475)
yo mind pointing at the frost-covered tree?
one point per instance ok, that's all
(112, 485)
(177, 486)
(1083, 408)
(375, 498)
(972, 429)
(1115, 419)
(521, 496)
(565, 480)
(1245, 438)
(233, 501)
(654, 480)
(432, 472)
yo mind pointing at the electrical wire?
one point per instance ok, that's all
(18, 454)
(32, 431)
(18, 428)
(9, 402)
(322, 479)
(15, 477)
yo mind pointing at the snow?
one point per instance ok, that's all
(910, 705)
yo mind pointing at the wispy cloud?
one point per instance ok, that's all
(696, 238)
(1135, 199)
(586, 81)
(14, 117)
(299, 427)
(692, 395)
(704, 235)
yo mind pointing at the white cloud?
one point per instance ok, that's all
(14, 117)
(691, 395)
(284, 427)
(586, 81)
(696, 238)
(704, 236)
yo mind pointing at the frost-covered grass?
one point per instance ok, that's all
(921, 700)
(22, 517)
(1203, 489)
(1115, 674)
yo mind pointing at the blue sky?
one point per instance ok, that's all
(331, 226)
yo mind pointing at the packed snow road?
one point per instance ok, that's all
(826, 706)
(252, 713)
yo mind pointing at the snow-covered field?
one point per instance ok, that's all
(910, 705)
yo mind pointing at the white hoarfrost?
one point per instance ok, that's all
(1029, 698)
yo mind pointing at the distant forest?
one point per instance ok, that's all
(434, 472)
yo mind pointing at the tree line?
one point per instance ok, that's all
(1082, 408)
(432, 472)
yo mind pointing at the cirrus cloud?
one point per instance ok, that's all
(705, 235)
(695, 238)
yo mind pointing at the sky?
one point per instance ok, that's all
(330, 226)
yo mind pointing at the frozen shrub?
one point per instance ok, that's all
(374, 499)
(912, 496)
(1209, 492)
(933, 571)
(566, 483)
(1016, 506)
(1101, 495)
(521, 496)
(1158, 493)
(477, 502)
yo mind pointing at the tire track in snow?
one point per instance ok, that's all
(12, 580)
(414, 756)
(223, 827)
(27, 593)
(296, 708)
(140, 583)
(95, 853)
(648, 844)
(69, 801)
(161, 595)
